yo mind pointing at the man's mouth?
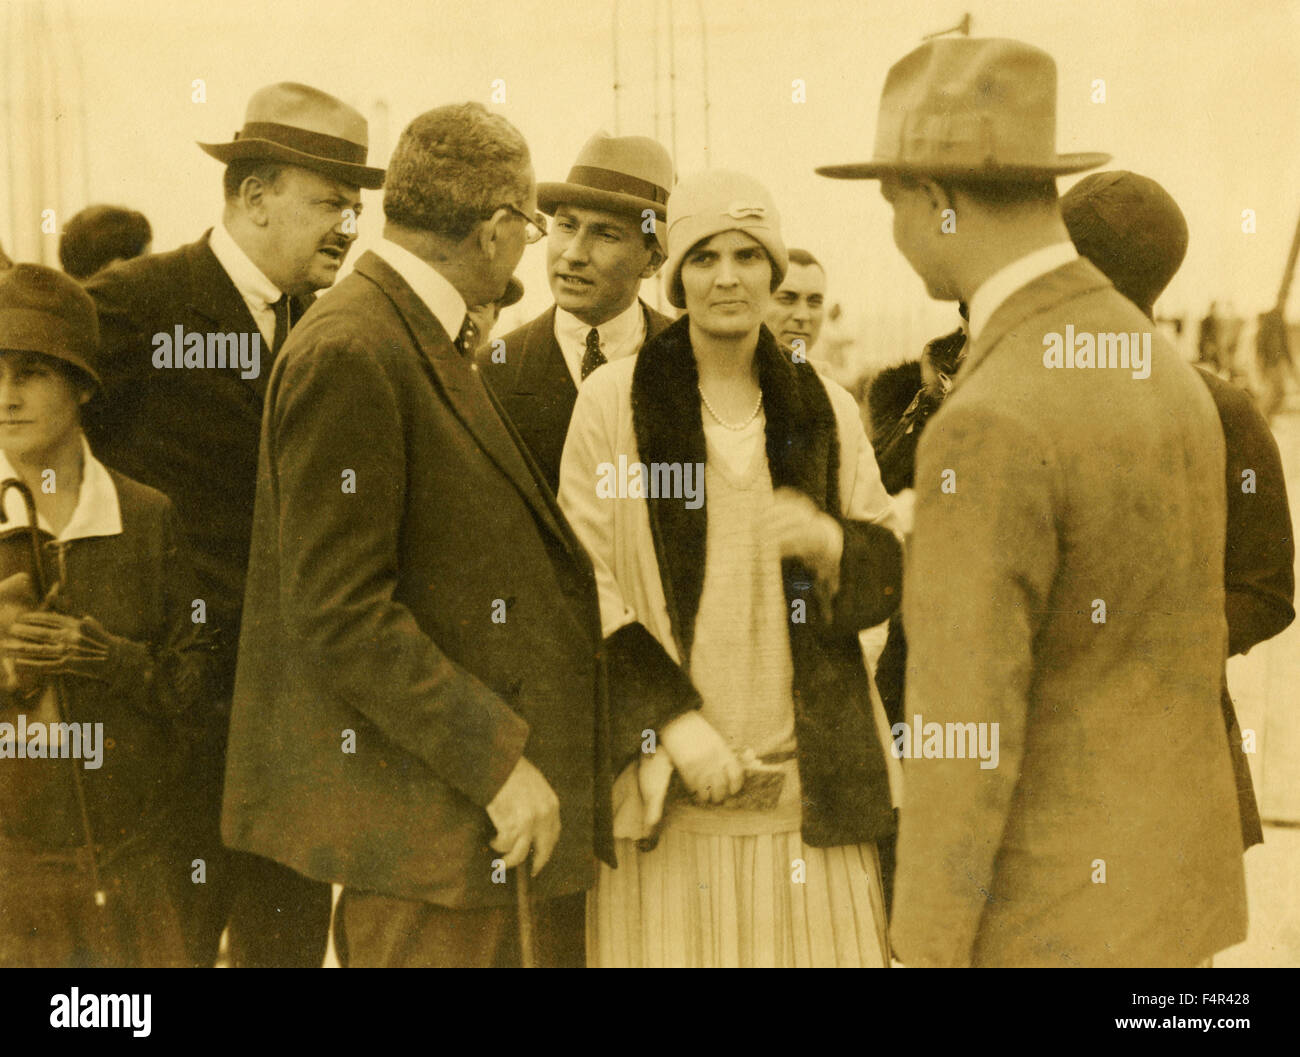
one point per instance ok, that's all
(574, 280)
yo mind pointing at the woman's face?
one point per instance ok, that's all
(727, 282)
(38, 405)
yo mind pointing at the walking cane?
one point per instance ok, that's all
(42, 590)
(524, 909)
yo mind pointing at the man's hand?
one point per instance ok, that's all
(526, 813)
(707, 765)
(802, 531)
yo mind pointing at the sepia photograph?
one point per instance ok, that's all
(649, 484)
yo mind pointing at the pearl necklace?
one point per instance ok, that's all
(723, 422)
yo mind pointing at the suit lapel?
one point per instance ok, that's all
(214, 296)
(467, 394)
(542, 370)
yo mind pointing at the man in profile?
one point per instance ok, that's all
(419, 708)
(1064, 591)
(292, 194)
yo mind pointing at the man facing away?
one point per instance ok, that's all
(187, 341)
(602, 243)
(418, 706)
(1064, 592)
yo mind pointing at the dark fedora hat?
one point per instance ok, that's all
(44, 311)
(979, 108)
(620, 174)
(304, 126)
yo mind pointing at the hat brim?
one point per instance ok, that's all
(360, 175)
(550, 196)
(1064, 165)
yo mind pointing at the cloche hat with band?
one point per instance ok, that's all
(301, 125)
(714, 201)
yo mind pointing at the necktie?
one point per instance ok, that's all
(467, 339)
(283, 322)
(593, 357)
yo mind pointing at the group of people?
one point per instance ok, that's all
(547, 649)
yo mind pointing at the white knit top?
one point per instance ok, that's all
(740, 656)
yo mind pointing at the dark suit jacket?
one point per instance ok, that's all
(373, 612)
(536, 388)
(1258, 561)
(190, 433)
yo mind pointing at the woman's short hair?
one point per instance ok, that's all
(99, 235)
(452, 168)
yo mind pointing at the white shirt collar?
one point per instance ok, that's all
(999, 286)
(619, 337)
(98, 512)
(248, 278)
(442, 299)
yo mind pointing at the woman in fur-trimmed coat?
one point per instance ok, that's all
(746, 831)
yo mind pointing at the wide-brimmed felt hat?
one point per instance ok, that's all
(621, 174)
(976, 108)
(304, 126)
(714, 201)
(46, 312)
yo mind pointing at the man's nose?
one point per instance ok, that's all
(577, 250)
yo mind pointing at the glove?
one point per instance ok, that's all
(45, 643)
(17, 596)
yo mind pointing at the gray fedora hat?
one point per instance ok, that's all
(304, 126)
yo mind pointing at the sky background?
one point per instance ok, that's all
(1201, 95)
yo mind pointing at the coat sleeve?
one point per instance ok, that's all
(176, 676)
(647, 687)
(981, 563)
(1259, 556)
(336, 409)
(869, 582)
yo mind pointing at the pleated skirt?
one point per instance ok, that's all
(707, 900)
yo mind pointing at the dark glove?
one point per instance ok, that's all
(43, 643)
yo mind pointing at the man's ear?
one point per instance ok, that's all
(83, 397)
(938, 195)
(486, 234)
(253, 193)
(657, 258)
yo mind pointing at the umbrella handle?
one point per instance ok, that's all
(33, 533)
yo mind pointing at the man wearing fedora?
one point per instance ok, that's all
(292, 192)
(603, 242)
(1064, 589)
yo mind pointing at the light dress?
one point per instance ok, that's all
(728, 886)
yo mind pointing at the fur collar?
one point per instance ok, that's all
(802, 453)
